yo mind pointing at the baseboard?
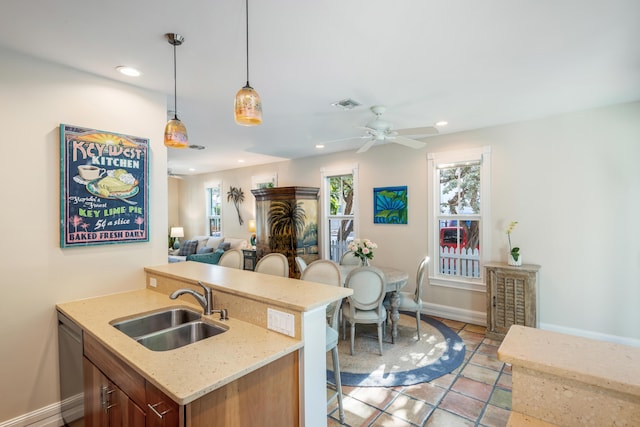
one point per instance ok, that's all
(455, 313)
(49, 416)
(633, 342)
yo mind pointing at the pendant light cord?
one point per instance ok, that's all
(247, 33)
(175, 84)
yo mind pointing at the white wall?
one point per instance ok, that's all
(35, 272)
(572, 181)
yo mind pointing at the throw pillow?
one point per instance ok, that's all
(188, 247)
(204, 250)
(210, 258)
(225, 246)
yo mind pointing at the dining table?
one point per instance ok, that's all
(394, 280)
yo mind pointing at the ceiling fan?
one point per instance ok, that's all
(379, 130)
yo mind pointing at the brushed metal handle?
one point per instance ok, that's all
(155, 411)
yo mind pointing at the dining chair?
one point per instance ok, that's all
(302, 264)
(231, 258)
(412, 301)
(365, 304)
(328, 273)
(274, 263)
(348, 258)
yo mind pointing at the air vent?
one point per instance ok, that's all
(197, 147)
(346, 104)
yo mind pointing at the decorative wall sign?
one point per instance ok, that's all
(103, 187)
(390, 205)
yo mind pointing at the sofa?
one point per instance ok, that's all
(206, 249)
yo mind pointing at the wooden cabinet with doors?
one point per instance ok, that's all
(511, 297)
(287, 222)
(116, 395)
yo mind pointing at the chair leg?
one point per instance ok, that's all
(418, 324)
(336, 375)
(353, 332)
(380, 337)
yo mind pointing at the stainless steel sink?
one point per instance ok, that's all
(167, 329)
(180, 336)
(147, 323)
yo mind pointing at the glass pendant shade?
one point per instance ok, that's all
(248, 107)
(175, 134)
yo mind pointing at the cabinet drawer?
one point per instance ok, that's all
(128, 380)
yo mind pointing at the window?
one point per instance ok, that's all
(459, 217)
(214, 208)
(339, 212)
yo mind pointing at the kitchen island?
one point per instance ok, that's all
(190, 376)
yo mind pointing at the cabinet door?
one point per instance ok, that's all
(161, 411)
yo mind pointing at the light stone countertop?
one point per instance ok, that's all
(603, 364)
(189, 372)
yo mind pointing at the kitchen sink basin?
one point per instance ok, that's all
(167, 329)
(155, 321)
(180, 336)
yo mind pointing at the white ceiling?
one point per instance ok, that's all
(472, 63)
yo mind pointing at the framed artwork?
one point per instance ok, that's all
(264, 181)
(103, 187)
(390, 205)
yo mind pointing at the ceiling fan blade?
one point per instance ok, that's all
(366, 146)
(343, 139)
(418, 132)
(409, 142)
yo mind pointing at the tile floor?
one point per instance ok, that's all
(477, 393)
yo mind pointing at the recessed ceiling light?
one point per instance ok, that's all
(240, 160)
(347, 104)
(442, 123)
(128, 71)
(319, 145)
(192, 169)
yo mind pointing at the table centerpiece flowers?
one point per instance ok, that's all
(514, 252)
(363, 249)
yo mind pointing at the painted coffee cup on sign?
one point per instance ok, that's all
(90, 172)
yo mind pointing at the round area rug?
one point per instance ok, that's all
(408, 361)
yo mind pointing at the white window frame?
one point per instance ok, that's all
(325, 243)
(207, 217)
(483, 155)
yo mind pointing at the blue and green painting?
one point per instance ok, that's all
(390, 205)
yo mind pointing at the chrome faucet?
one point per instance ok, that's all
(206, 300)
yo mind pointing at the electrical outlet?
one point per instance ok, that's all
(281, 322)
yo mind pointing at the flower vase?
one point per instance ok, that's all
(364, 262)
(513, 262)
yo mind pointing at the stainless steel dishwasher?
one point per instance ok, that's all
(70, 365)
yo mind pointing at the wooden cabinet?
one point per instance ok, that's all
(287, 222)
(511, 297)
(115, 395)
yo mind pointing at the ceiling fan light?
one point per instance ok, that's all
(248, 107)
(175, 134)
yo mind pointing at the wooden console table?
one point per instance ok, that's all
(511, 297)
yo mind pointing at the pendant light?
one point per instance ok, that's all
(248, 107)
(175, 133)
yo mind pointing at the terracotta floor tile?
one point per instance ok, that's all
(379, 397)
(440, 418)
(427, 392)
(489, 341)
(444, 381)
(386, 420)
(501, 398)
(490, 350)
(462, 405)
(507, 368)
(504, 381)
(487, 361)
(453, 324)
(357, 413)
(411, 410)
(472, 388)
(479, 373)
(475, 328)
(494, 417)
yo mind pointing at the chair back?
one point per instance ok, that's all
(349, 258)
(302, 264)
(422, 269)
(274, 264)
(322, 271)
(231, 258)
(368, 288)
